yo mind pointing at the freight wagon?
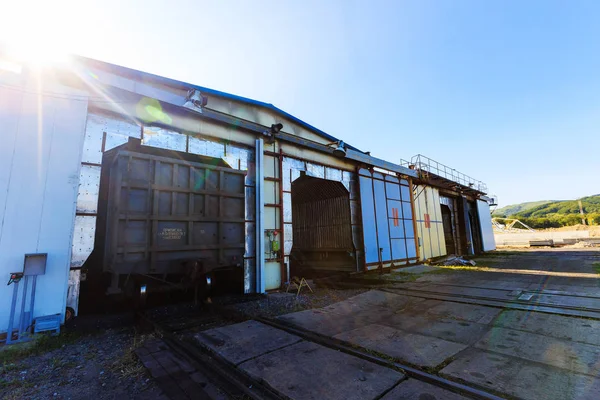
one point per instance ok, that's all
(166, 220)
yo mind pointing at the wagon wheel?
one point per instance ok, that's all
(69, 314)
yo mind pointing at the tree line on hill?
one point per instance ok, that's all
(554, 214)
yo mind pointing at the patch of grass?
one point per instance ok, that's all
(15, 383)
(5, 383)
(57, 362)
(40, 345)
(463, 267)
(596, 267)
(129, 366)
(438, 272)
(497, 253)
(7, 367)
(403, 277)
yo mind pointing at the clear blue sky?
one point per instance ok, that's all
(505, 91)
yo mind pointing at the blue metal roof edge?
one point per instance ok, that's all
(143, 75)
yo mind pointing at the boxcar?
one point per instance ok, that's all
(166, 217)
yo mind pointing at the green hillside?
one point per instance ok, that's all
(547, 214)
(517, 208)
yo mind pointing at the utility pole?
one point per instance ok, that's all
(581, 212)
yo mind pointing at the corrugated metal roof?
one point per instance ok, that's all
(132, 73)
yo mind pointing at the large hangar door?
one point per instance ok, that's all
(485, 223)
(322, 228)
(388, 227)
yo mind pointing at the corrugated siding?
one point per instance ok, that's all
(40, 152)
(323, 225)
(430, 226)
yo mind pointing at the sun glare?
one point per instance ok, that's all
(35, 53)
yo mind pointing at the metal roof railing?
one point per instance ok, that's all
(423, 164)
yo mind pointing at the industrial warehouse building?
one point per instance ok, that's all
(115, 177)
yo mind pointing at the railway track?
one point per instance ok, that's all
(239, 385)
(516, 304)
(531, 304)
(411, 372)
(221, 374)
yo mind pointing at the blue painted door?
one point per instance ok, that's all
(389, 234)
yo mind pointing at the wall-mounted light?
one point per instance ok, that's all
(340, 150)
(275, 128)
(195, 100)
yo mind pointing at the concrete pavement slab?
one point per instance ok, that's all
(447, 329)
(578, 290)
(573, 356)
(571, 301)
(521, 378)
(419, 350)
(499, 294)
(370, 299)
(464, 312)
(557, 326)
(309, 371)
(327, 323)
(364, 309)
(246, 340)
(412, 389)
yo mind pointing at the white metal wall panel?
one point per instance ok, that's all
(39, 173)
(485, 222)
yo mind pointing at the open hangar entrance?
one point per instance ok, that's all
(463, 219)
(450, 224)
(322, 228)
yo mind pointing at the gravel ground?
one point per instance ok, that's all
(76, 366)
(283, 303)
(103, 365)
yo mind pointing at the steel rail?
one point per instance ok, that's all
(221, 373)
(516, 304)
(409, 371)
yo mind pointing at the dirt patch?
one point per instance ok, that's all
(72, 366)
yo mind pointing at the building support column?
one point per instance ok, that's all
(260, 211)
